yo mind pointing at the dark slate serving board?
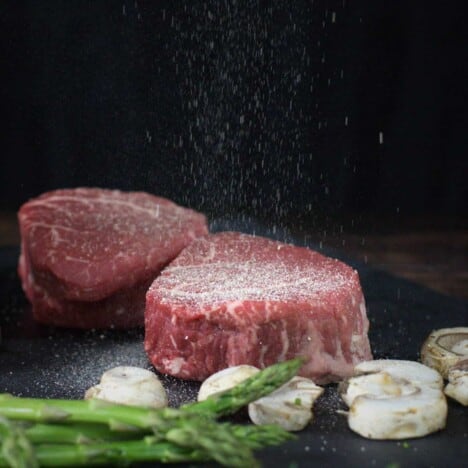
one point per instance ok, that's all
(41, 361)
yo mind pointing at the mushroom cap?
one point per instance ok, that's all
(399, 417)
(412, 371)
(290, 406)
(130, 385)
(225, 380)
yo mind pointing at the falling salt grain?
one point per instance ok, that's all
(381, 138)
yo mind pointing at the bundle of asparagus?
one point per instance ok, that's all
(47, 432)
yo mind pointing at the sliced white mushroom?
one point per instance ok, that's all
(457, 388)
(225, 379)
(445, 348)
(290, 406)
(129, 385)
(392, 399)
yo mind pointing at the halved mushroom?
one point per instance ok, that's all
(392, 399)
(445, 348)
(290, 406)
(457, 388)
(225, 379)
(129, 385)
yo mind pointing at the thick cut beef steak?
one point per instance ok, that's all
(88, 255)
(232, 298)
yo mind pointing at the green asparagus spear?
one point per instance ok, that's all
(254, 436)
(113, 453)
(16, 449)
(257, 437)
(118, 417)
(79, 433)
(226, 443)
(218, 440)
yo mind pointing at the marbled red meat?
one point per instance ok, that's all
(232, 298)
(88, 255)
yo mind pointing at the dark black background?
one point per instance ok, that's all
(271, 109)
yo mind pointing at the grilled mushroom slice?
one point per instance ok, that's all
(392, 399)
(445, 348)
(129, 385)
(225, 379)
(290, 406)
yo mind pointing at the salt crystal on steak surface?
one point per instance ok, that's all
(88, 255)
(231, 298)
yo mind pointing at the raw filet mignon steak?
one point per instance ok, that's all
(232, 298)
(88, 255)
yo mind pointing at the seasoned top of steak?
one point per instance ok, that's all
(93, 242)
(231, 266)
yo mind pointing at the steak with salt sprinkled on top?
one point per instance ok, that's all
(88, 255)
(232, 298)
